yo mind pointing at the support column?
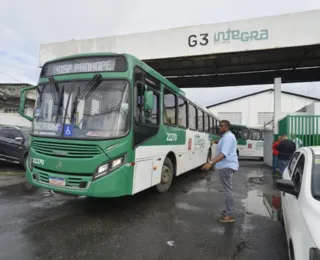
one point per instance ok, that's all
(277, 104)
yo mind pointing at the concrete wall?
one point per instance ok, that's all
(263, 102)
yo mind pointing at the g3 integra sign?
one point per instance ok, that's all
(85, 65)
(225, 37)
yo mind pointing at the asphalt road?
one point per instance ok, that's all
(179, 224)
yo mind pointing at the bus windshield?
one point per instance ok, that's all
(78, 110)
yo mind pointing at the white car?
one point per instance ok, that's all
(300, 200)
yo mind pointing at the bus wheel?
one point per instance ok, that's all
(166, 176)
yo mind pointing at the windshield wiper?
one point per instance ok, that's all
(91, 86)
(65, 115)
(60, 104)
(55, 87)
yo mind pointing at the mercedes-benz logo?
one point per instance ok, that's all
(59, 165)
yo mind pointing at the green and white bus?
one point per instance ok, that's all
(108, 125)
(250, 141)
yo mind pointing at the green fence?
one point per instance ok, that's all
(306, 128)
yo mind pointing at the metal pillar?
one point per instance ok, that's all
(277, 104)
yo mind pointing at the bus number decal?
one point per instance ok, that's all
(38, 161)
(171, 137)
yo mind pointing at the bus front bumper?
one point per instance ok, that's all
(114, 184)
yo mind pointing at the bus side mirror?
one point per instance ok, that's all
(148, 100)
(23, 102)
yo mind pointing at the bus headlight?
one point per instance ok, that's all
(109, 167)
(314, 254)
(30, 163)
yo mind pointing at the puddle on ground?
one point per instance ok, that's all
(254, 203)
(255, 177)
(186, 206)
(219, 229)
(201, 187)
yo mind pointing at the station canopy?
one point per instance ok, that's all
(246, 52)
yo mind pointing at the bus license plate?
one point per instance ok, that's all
(57, 181)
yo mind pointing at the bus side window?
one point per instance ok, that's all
(206, 123)
(146, 117)
(235, 132)
(169, 108)
(211, 130)
(192, 117)
(243, 133)
(254, 134)
(182, 113)
(217, 127)
(200, 120)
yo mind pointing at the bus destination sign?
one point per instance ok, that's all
(85, 65)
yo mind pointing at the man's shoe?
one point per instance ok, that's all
(223, 212)
(227, 219)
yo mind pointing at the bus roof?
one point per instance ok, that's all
(132, 60)
(239, 126)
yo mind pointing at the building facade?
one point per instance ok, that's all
(256, 109)
(9, 104)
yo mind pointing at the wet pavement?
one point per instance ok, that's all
(179, 224)
(11, 174)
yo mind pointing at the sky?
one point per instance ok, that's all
(24, 25)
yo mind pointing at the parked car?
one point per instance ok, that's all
(300, 201)
(14, 142)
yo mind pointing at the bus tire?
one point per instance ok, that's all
(167, 173)
(24, 161)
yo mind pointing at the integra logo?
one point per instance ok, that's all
(225, 37)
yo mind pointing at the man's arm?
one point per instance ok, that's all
(218, 158)
(274, 146)
(279, 147)
(226, 146)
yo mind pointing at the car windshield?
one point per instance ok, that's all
(26, 133)
(88, 109)
(316, 177)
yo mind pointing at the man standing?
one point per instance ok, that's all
(227, 163)
(286, 149)
(275, 153)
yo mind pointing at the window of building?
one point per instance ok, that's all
(264, 117)
(192, 117)
(169, 108)
(232, 117)
(182, 112)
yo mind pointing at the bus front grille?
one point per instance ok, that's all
(66, 150)
(71, 181)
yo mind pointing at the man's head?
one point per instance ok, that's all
(279, 138)
(284, 137)
(224, 126)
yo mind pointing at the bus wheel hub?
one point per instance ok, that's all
(166, 174)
